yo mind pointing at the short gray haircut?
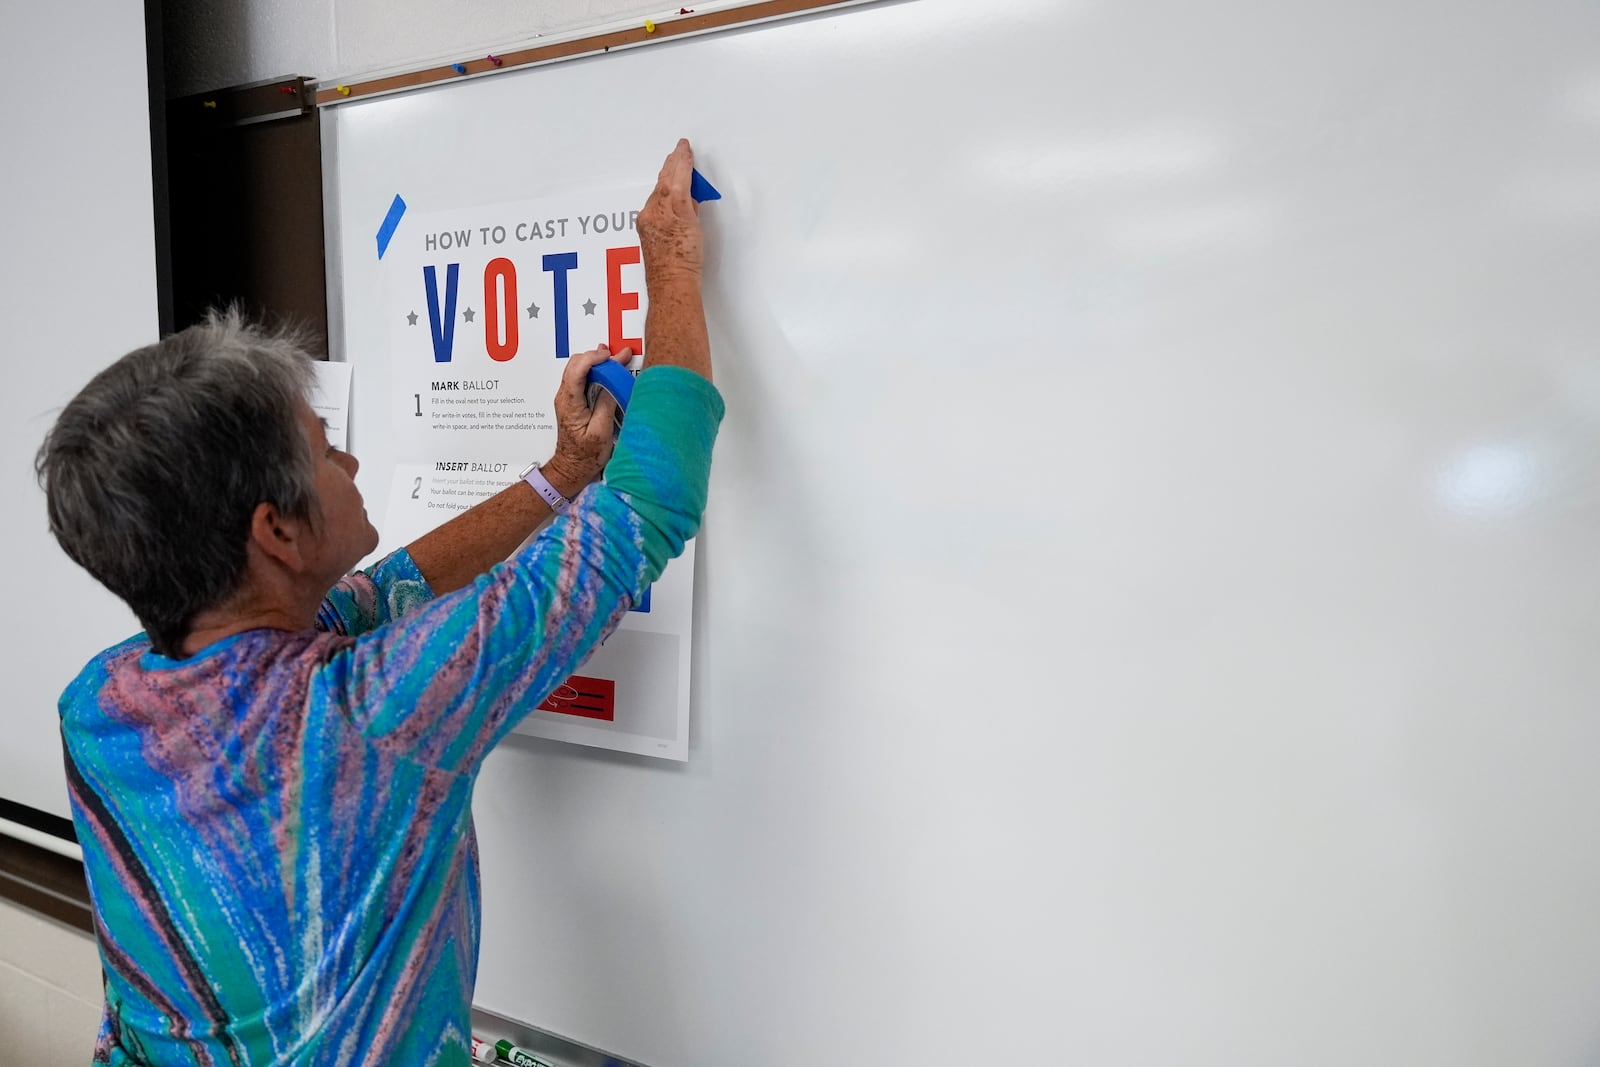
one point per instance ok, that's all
(152, 473)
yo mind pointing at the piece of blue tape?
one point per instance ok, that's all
(615, 379)
(391, 223)
(702, 190)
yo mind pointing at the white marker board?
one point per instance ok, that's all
(1147, 609)
(77, 289)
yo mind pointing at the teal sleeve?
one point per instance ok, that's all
(667, 436)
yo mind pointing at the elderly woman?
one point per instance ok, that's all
(273, 784)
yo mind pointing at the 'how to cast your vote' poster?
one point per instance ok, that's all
(485, 305)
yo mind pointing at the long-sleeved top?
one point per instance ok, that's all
(277, 830)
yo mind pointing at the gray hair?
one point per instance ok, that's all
(152, 473)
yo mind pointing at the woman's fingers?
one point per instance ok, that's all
(600, 422)
(575, 379)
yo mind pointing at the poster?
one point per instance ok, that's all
(485, 305)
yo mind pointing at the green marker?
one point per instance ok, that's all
(519, 1056)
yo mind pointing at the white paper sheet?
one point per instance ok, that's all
(330, 399)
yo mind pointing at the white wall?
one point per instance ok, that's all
(49, 990)
(215, 44)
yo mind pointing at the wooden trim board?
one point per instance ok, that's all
(48, 883)
(669, 27)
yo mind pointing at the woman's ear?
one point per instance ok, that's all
(278, 536)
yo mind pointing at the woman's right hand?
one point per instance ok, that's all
(669, 224)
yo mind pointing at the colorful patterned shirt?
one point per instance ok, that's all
(277, 830)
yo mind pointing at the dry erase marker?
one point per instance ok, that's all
(482, 1051)
(519, 1056)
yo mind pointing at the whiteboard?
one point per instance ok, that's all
(1147, 607)
(78, 289)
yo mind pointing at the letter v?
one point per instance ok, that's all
(444, 333)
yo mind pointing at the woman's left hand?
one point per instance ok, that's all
(584, 435)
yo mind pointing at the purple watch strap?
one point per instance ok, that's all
(541, 485)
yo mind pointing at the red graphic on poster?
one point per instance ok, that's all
(588, 698)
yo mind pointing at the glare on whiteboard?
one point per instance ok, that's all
(1496, 479)
(1149, 154)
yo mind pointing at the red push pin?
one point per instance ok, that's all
(685, 10)
(496, 60)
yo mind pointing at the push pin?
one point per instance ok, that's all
(649, 27)
(286, 90)
(685, 10)
(496, 60)
(212, 104)
(342, 90)
(459, 68)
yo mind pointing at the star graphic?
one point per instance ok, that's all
(533, 311)
(467, 314)
(412, 318)
(588, 307)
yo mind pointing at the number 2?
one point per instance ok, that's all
(416, 487)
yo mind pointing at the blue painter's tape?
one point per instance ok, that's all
(611, 377)
(615, 379)
(643, 606)
(391, 223)
(701, 189)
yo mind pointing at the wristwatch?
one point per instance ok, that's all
(541, 485)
